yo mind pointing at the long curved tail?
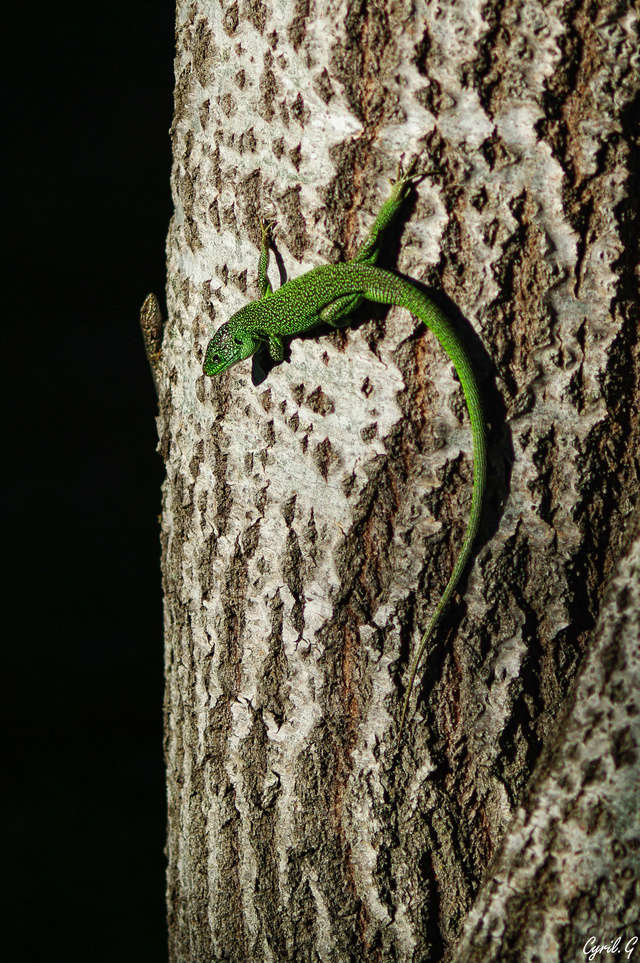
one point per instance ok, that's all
(386, 288)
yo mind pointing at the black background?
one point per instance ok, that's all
(87, 111)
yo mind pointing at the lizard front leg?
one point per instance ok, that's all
(276, 348)
(264, 284)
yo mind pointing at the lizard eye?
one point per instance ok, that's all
(237, 340)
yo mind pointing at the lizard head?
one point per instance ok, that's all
(228, 346)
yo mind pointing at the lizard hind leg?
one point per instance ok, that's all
(369, 250)
(338, 313)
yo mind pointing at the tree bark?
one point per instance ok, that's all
(311, 519)
(566, 878)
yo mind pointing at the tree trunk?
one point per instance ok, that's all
(312, 519)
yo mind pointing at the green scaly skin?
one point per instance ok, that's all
(329, 294)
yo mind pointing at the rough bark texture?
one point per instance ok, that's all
(568, 873)
(311, 521)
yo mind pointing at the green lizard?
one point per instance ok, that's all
(328, 295)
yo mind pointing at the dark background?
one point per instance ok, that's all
(87, 113)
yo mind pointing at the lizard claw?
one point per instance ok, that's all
(411, 174)
(267, 224)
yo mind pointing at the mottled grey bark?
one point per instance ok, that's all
(568, 873)
(311, 521)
